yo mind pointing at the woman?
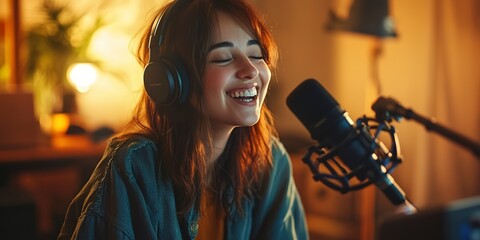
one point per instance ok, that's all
(209, 166)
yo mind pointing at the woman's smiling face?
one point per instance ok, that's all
(236, 77)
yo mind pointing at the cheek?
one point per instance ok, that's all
(214, 79)
(265, 76)
(268, 76)
(214, 82)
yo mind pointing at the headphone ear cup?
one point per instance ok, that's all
(166, 82)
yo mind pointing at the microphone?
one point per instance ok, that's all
(337, 135)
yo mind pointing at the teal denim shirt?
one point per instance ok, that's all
(126, 198)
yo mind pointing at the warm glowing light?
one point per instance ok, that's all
(60, 123)
(82, 76)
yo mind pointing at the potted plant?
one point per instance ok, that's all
(51, 50)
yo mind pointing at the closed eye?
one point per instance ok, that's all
(257, 57)
(226, 60)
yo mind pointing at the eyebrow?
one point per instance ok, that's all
(230, 44)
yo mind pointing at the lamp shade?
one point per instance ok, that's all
(369, 17)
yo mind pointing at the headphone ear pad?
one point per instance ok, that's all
(166, 82)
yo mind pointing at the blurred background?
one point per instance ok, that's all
(69, 79)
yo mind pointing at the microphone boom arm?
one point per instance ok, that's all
(388, 109)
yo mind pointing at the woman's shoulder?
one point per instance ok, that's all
(132, 153)
(278, 149)
(130, 143)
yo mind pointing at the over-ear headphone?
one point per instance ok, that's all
(165, 78)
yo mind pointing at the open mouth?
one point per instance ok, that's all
(244, 95)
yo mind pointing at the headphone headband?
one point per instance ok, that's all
(156, 36)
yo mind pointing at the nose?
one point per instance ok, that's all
(247, 69)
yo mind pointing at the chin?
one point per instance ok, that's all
(250, 122)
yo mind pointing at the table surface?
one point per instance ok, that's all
(58, 151)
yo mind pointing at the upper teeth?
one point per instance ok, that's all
(252, 92)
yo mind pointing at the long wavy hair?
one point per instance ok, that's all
(182, 132)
